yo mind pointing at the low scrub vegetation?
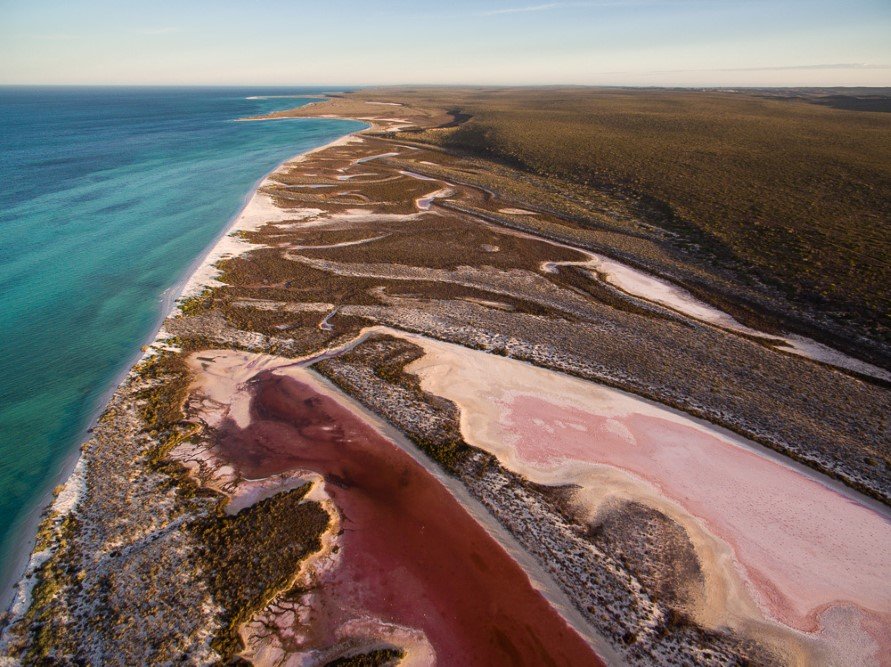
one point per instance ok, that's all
(797, 193)
(254, 555)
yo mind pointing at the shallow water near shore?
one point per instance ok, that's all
(109, 195)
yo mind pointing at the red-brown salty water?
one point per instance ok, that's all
(410, 554)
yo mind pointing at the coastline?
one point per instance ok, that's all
(201, 276)
(23, 560)
(484, 478)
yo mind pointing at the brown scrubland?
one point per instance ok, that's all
(788, 197)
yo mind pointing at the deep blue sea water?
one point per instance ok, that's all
(107, 197)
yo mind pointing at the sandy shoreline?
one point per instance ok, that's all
(258, 210)
(199, 275)
(252, 215)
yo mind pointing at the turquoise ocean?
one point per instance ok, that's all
(107, 198)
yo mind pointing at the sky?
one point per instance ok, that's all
(509, 42)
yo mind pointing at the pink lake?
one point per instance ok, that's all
(810, 555)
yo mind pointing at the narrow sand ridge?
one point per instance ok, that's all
(424, 203)
(516, 211)
(778, 545)
(370, 158)
(411, 564)
(647, 287)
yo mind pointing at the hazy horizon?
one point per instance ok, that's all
(319, 89)
(637, 43)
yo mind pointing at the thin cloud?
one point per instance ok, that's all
(159, 31)
(778, 68)
(56, 36)
(548, 6)
(537, 8)
(792, 67)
